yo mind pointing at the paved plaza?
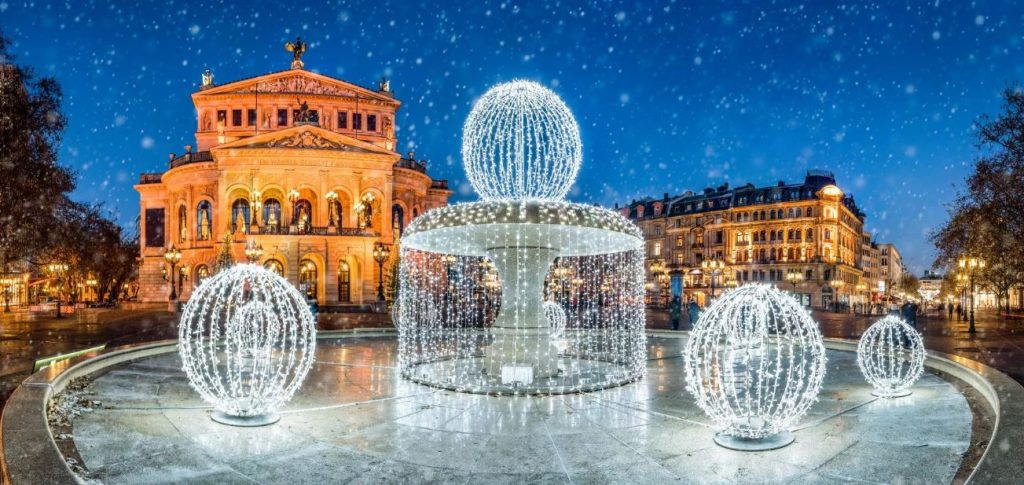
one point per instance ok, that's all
(355, 420)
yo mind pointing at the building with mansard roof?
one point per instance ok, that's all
(805, 237)
(300, 164)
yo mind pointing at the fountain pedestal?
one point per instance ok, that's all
(522, 334)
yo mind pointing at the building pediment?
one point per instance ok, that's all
(296, 82)
(305, 137)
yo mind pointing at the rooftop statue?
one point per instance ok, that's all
(297, 48)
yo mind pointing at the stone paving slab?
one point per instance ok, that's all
(356, 421)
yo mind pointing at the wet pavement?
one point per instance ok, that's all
(356, 421)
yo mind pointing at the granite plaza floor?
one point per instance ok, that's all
(356, 421)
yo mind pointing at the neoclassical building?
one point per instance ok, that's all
(301, 164)
(803, 237)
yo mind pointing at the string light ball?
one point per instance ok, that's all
(246, 340)
(755, 362)
(891, 356)
(556, 318)
(520, 141)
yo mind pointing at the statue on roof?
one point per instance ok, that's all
(297, 48)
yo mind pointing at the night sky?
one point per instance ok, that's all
(670, 96)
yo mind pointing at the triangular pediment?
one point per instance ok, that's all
(298, 82)
(306, 137)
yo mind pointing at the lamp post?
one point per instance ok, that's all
(58, 270)
(795, 277)
(173, 256)
(862, 290)
(7, 281)
(971, 265)
(961, 289)
(381, 253)
(713, 267)
(253, 251)
(838, 286)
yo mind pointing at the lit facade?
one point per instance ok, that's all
(891, 267)
(803, 237)
(301, 164)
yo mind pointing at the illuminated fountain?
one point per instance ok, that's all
(521, 292)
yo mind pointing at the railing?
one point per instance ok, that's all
(411, 165)
(439, 184)
(191, 157)
(150, 178)
(316, 231)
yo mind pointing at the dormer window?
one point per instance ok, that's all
(371, 123)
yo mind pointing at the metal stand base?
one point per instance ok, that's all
(245, 421)
(772, 442)
(903, 393)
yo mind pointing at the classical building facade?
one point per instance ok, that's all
(803, 237)
(891, 267)
(300, 164)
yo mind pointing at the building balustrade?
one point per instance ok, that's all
(313, 231)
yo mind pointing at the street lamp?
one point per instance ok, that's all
(795, 277)
(8, 281)
(961, 289)
(971, 265)
(713, 267)
(253, 251)
(381, 253)
(838, 286)
(58, 270)
(173, 256)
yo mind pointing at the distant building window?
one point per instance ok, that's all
(236, 117)
(657, 249)
(282, 117)
(342, 120)
(250, 117)
(679, 241)
(371, 123)
(357, 121)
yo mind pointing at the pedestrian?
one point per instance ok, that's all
(693, 312)
(675, 312)
(912, 314)
(949, 307)
(959, 312)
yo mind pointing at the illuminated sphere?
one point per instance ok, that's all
(891, 356)
(520, 141)
(556, 318)
(755, 362)
(246, 341)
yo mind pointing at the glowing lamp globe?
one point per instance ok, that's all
(520, 141)
(891, 356)
(246, 341)
(555, 315)
(755, 362)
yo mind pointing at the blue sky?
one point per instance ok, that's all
(670, 96)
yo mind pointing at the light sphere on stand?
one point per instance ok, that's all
(520, 141)
(891, 356)
(755, 361)
(246, 340)
(556, 317)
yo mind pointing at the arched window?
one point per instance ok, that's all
(771, 214)
(202, 272)
(755, 215)
(272, 213)
(240, 216)
(182, 224)
(275, 266)
(398, 218)
(307, 278)
(810, 235)
(303, 215)
(798, 212)
(792, 254)
(344, 283)
(204, 221)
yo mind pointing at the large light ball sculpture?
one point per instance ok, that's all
(520, 141)
(246, 341)
(474, 278)
(755, 362)
(891, 356)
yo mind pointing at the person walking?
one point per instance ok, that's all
(949, 307)
(959, 312)
(693, 312)
(675, 312)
